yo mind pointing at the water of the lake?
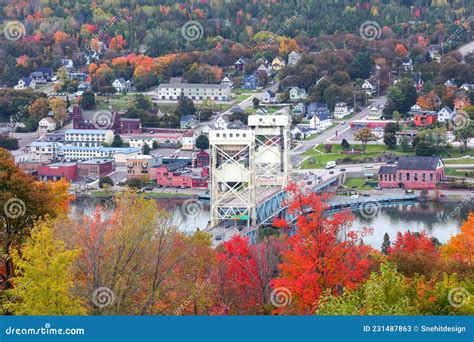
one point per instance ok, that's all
(440, 220)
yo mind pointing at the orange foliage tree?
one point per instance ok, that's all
(460, 247)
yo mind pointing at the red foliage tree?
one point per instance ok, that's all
(415, 253)
(245, 273)
(323, 254)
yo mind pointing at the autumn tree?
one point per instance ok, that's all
(364, 135)
(245, 273)
(414, 253)
(23, 200)
(58, 107)
(44, 279)
(39, 108)
(386, 292)
(323, 254)
(460, 247)
(131, 253)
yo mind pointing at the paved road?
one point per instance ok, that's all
(296, 156)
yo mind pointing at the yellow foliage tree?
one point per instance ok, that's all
(44, 276)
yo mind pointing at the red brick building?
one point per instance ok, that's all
(57, 171)
(115, 121)
(412, 173)
(94, 168)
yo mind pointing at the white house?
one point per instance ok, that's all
(407, 64)
(222, 122)
(227, 82)
(299, 109)
(446, 114)
(121, 85)
(89, 137)
(293, 58)
(297, 94)
(47, 124)
(375, 112)
(415, 108)
(320, 122)
(466, 86)
(188, 141)
(278, 63)
(369, 86)
(269, 96)
(341, 110)
(26, 82)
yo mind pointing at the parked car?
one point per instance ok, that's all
(391, 162)
(343, 169)
(466, 157)
(331, 172)
(354, 196)
(218, 237)
(368, 166)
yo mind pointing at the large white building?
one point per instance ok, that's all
(120, 154)
(195, 91)
(44, 150)
(89, 137)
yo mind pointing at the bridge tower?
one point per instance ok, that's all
(248, 169)
(232, 175)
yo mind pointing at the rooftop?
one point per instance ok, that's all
(418, 163)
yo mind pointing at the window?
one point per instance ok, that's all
(415, 177)
(407, 177)
(217, 135)
(423, 177)
(431, 177)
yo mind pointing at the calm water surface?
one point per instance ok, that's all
(441, 220)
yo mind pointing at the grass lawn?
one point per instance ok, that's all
(318, 157)
(241, 90)
(449, 171)
(357, 183)
(459, 161)
(241, 98)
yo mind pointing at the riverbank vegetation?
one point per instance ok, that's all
(134, 261)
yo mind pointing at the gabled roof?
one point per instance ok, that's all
(27, 80)
(418, 163)
(294, 53)
(447, 109)
(270, 92)
(388, 170)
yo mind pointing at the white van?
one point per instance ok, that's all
(330, 164)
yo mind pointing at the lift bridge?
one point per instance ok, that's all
(249, 170)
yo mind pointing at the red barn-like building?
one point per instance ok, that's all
(57, 171)
(425, 118)
(412, 173)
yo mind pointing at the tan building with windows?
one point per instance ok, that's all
(141, 165)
